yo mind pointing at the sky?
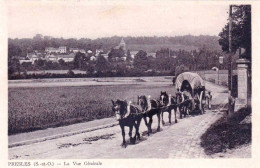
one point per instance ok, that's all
(107, 18)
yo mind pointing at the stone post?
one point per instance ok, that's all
(242, 84)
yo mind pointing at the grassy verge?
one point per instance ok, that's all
(227, 133)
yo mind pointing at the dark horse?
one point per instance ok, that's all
(184, 103)
(128, 115)
(169, 103)
(150, 107)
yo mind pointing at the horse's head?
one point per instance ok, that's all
(179, 97)
(164, 98)
(119, 108)
(173, 99)
(143, 102)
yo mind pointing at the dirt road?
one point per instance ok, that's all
(181, 140)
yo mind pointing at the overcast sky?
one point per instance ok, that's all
(89, 20)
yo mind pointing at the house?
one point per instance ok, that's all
(99, 51)
(51, 50)
(62, 49)
(52, 58)
(24, 60)
(123, 58)
(74, 50)
(67, 57)
(82, 51)
(32, 57)
(105, 56)
(93, 58)
(151, 54)
(133, 53)
(18, 57)
(89, 52)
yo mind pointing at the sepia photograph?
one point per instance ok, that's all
(114, 80)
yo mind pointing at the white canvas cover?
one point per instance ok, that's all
(193, 78)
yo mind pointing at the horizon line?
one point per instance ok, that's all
(110, 36)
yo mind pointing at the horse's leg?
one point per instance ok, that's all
(170, 115)
(209, 103)
(162, 119)
(175, 114)
(159, 120)
(130, 134)
(180, 111)
(150, 124)
(137, 125)
(188, 109)
(185, 110)
(123, 134)
(137, 128)
(203, 108)
(147, 124)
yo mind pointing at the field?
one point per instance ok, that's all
(215, 77)
(35, 108)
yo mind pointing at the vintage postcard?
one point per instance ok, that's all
(129, 83)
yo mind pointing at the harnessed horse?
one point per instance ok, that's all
(150, 107)
(128, 115)
(184, 103)
(169, 103)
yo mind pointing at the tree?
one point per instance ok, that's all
(40, 62)
(70, 73)
(80, 60)
(141, 60)
(128, 56)
(13, 50)
(102, 64)
(241, 31)
(62, 62)
(13, 66)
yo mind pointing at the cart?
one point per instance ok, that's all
(192, 88)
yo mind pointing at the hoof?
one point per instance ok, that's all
(163, 123)
(176, 121)
(132, 140)
(123, 145)
(158, 129)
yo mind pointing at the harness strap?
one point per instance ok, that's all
(169, 100)
(149, 105)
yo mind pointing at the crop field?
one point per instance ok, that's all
(43, 107)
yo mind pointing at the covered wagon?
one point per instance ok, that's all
(192, 86)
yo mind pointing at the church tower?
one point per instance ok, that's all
(122, 44)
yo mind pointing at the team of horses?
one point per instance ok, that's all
(130, 115)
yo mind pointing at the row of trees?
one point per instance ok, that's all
(20, 47)
(166, 60)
